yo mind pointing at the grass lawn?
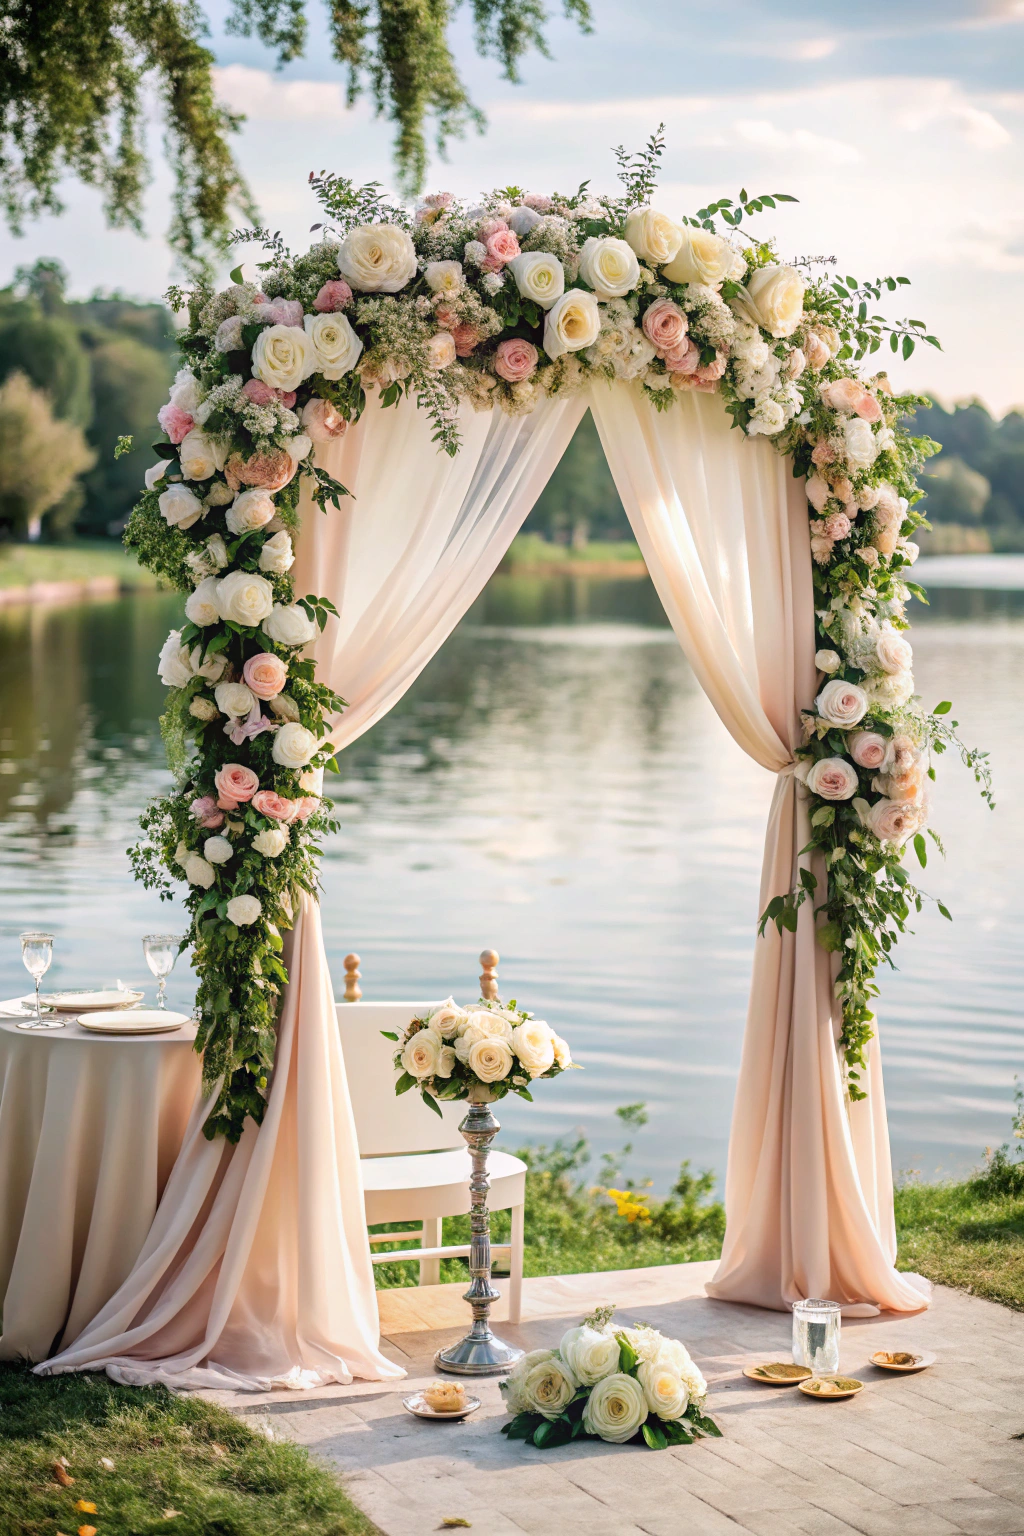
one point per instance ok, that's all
(22, 564)
(174, 1465)
(529, 549)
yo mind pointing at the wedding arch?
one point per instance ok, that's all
(353, 442)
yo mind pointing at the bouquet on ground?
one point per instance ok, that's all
(608, 1383)
(453, 1052)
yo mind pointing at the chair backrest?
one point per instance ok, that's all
(387, 1123)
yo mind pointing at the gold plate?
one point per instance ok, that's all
(794, 1373)
(849, 1388)
(415, 1404)
(919, 1362)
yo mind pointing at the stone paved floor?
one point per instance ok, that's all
(932, 1454)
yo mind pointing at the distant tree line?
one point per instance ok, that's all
(975, 486)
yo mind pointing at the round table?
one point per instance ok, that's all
(90, 1126)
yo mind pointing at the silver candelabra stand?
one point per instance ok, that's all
(479, 1353)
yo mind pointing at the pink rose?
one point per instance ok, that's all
(843, 394)
(837, 526)
(491, 264)
(175, 422)
(868, 748)
(816, 351)
(265, 675)
(305, 806)
(206, 813)
(683, 359)
(258, 392)
(712, 373)
(538, 202)
(321, 421)
(466, 339)
(821, 549)
(892, 822)
(823, 452)
(515, 359)
(446, 316)
(868, 408)
(269, 471)
(269, 803)
(233, 781)
(441, 350)
(665, 326)
(490, 226)
(833, 778)
(904, 753)
(333, 296)
(887, 509)
(796, 362)
(502, 245)
(280, 312)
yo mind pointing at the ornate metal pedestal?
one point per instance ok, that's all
(479, 1353)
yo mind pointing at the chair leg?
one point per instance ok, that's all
(430, 1269)
(515, 1266)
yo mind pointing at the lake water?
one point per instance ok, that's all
(555, 786)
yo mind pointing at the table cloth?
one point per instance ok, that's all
(90, 1126)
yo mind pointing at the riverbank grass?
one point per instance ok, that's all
(79, 1454)
(22, 565)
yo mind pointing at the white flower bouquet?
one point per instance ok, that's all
(455, 1053)
(608, 1383)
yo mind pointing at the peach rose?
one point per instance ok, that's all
(843, 394)
(665, 325)
(233, 781)
(321, 421)
(815, 351)
(441, 350)
(515, 359)
(276, 807)
(333, 296)
(502, 245)
(265, 675)
(837, 526)
(270, 471)
(683, 359)
(868, 408)
(305, 807)
(823, 452)
(466, 338)
(869, 749)
(204, 809)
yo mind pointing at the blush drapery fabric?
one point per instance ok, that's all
(722, 525)
(256, 1272)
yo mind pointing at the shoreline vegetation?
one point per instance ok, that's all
(33, 573)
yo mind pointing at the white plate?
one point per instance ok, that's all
(89, 998)
(134, 1021)
(415, 1404)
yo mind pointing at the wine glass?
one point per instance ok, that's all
(37, 952)
(161, 951)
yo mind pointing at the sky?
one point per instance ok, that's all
(898, 124)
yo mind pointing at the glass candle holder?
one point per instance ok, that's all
(816, 1327)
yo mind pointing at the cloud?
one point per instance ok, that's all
(766, 135)
(266, 97)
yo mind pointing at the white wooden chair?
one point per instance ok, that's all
(415, 1166)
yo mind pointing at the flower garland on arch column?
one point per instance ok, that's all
(497, 304)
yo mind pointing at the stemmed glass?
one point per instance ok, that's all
(161, 951)
(37, 952)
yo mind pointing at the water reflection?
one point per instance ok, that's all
(555, 785)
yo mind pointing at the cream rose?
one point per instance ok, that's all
(174, 667)
(289, 625)
(704, 257)
(890, 821)
(250, 510)
(179, 507)
(203, 708)
(277, 554)
(589, 1354)
(244, 598)
(677, 1357)
(481, 1023)
(860, 444)
(199, 872)
(842, 704)
(335, 343)
(421, 1053)
(541, 1383)
(534, 1044)
(615, 1409)
(447, 1019)
(774, 299)
(827, 661)
(283, 357)
(445, 276)
(665, 1392)
(870, 749)
(284, 707)
(293, 745)
(445, 1062)
(217, 850)
(201, 606)
(895, 654)
(539, 276)
(490, 1059)
(244, 910)
(833, 778)
(198, 455)
(234, 698)
(653, 236)
(271, 841)
(609, 267)
(441, 351)
(572, 323)
(312, 781)
(377, 258)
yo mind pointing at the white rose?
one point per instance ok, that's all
(284, 707)
(297, 447)
(185, 391)
(173, 665)
(654, 236)
(703, 258)
(666, 1394)
(447, 1019)
(609, 266)
(277, 554)
(861, 448)
(283, 357)
(271, 841)
(766, 419)
(895, 654)
(212, 668)
(421, 1054)
(827, 661)
(199, 872)
(445, 1062)
(833, 778)
(217, 850)
(198, 455)
(490, 1059)
(563, 1056)
(590, 1355)
(293, 745)
(312, 781)
(377, 258)
(181, 854)
(250, 509)
(335, 343)
(203, 708)
(244, 598)
(289, 625)
(244, 910)
(534, 1044)
(216, 551)
(234, 699)
(842, 704)
(445, 276)
(201, 605)
(179, 507)
(541, 1383)
(155, 473)
(615, 1409)
(774, 299)
(572, 323)
(677, 1357)
(219, 495)
(482, 1023)
(539, 276)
